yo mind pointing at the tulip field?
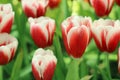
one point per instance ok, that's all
(59, 39)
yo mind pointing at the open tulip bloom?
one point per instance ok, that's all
(8, 46)
(106, 34)
(76, 34)
(43, 64)
(42, 31)
(6, 17)
(102, 7)
(34, 8)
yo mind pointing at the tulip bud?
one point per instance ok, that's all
(106, 34)
(54, 3)
(43, 64)
(6, 18)
(102, 7)
(34, 8)
(118, 2)
(8, 46)
(42, 30)
(76, 34)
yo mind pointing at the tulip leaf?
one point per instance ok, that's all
(17, 66)
(88, 77)
(1, 73)
(25, 71)
(73, 70)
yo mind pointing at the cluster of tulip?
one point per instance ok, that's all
(77, 32)
(8, 43)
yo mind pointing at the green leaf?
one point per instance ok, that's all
(88, 77)
(1, 73)
(17, 66)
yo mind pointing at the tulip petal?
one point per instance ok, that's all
(77, 39)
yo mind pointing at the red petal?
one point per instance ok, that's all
(7, 26)
(118, 2)
(36, 73)
(49, 71)
(38, 36)
(29, 12)
(3, 58)
(113, 42)
(100, 7)
(78, 40)
(41, 11)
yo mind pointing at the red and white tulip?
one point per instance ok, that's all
(106, 34)
(34, 8)
(8, 46)
(42, 31)
(6, 18)
(76, 34)
(43, 64)
(102, 7)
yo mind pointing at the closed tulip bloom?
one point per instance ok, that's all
(8, 46)
(76, 34)
(106, 34)
(54, 3)
(42, 31)
(6, 18)
(118, 2)
(102, 7)
(43, 64)
(34, 8)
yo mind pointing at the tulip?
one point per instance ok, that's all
(34, 8)
(106, 34)
(102, 7)
(43, 64)
(6, 18)
(8, 46)
(54, 3)
(42, 31)
(76, 34)
(118, 2)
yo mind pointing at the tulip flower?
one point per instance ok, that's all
(76, 34)
(34, 8)
(106, 34)
(8, 46)
(102, 7)
(118, 2)
(6, 18)
(42, 31)
(54, 3)
(43, 64)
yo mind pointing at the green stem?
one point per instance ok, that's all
(108, 65)
(73, 70)
(95, 69)
(1, 73)
(20, 20)
(83, 68)
(59, 54)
